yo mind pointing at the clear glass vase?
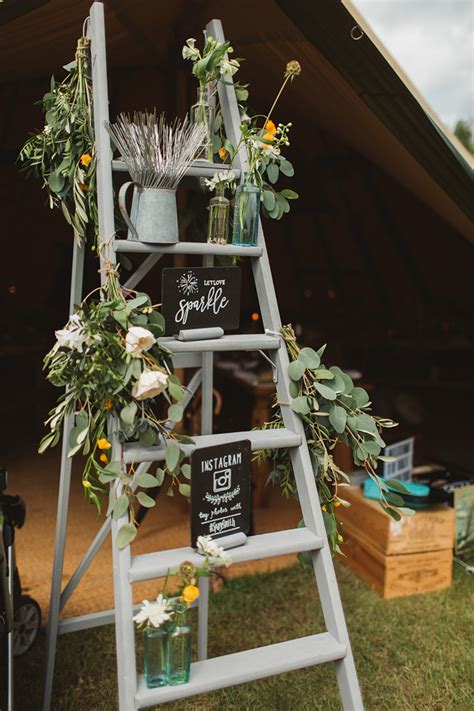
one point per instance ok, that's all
(202, 112)
(179, 649)
(218, 227)
(155, 656)
(246, 215)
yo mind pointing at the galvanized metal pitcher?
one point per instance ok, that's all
(154, 215)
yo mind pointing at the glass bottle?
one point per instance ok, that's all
(155, 656)
(218, 227)
(202, 112)
(179, 648)
(246, 215)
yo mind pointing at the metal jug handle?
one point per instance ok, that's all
(123, 208)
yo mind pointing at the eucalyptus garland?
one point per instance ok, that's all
(63, 153)
(119, 378)
(333, 410)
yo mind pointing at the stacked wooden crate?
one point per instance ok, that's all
(398, 558)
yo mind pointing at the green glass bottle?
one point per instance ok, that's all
(155, 656)
(179, 648)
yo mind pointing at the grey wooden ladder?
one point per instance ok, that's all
(206, 674)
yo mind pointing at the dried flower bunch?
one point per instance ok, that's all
(333, 410)
(117, 374)
(156, 154)
(63, 153)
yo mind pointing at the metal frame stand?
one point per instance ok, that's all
(206, 675)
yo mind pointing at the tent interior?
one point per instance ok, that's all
(375, 257)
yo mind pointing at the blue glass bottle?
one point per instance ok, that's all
(155, 656)
(246, 215)
(179, 648)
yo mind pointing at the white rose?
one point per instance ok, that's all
(138, 339)
(149, 384)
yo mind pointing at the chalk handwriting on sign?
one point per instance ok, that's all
(220, 490)
(201, 297)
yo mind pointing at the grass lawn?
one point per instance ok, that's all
(410, 653)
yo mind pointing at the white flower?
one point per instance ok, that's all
(149, 384)
(213, 552)
(138, 339)
(154, 613)
(225, 177)
(229, 67)
(72, 336)
(189, 50)
(47, 129)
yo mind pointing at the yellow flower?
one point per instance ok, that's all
(104, 458)
(270, 127)
(324, 507)
(108, 405)
(190, 593)
(83, 186)
(337, 503)
(103, 443)
(86, 484)
(222, 153)
(86, 159)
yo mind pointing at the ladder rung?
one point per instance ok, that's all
(260, 439)
(224, 250)
(200, 169)
(242, 667)
(241, 342)
(265, 545)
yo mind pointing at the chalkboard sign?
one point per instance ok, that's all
(201, 297)
(220, 490)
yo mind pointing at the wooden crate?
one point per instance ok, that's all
(397, 575)
(428, 530)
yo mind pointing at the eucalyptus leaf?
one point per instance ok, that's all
(120, 507)
(360, 397)
(338, 418)
(185, 490)
(286, 168)
(146, 480)
(309, 357)
(293, 388)
(296, 370)
(272, 172)
(145, 500)
(172, 456)
(269, 200)
(300, 405)
(125, 535)
(127, 414)
(325, 391)
(396, 484)
(175, 413)
(147, 438)
(186, 471)
(160, 476)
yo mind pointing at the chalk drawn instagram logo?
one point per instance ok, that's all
(222, 480)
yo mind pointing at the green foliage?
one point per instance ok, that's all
(332, 410)
(463, 132)
(116, 373)
(63, 153)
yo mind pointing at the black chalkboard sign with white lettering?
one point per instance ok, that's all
(201, 297)
(220, 490)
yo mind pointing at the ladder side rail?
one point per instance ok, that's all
(121, 559)
(206, 428)
(105, 199)
(300, 457)
(123, 597)
(141, 271)
(77, 270)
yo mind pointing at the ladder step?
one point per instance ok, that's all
(242, 667)
(203, 248)
(259, 439)
(200, 169)
(265, 545)
(241, 342)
